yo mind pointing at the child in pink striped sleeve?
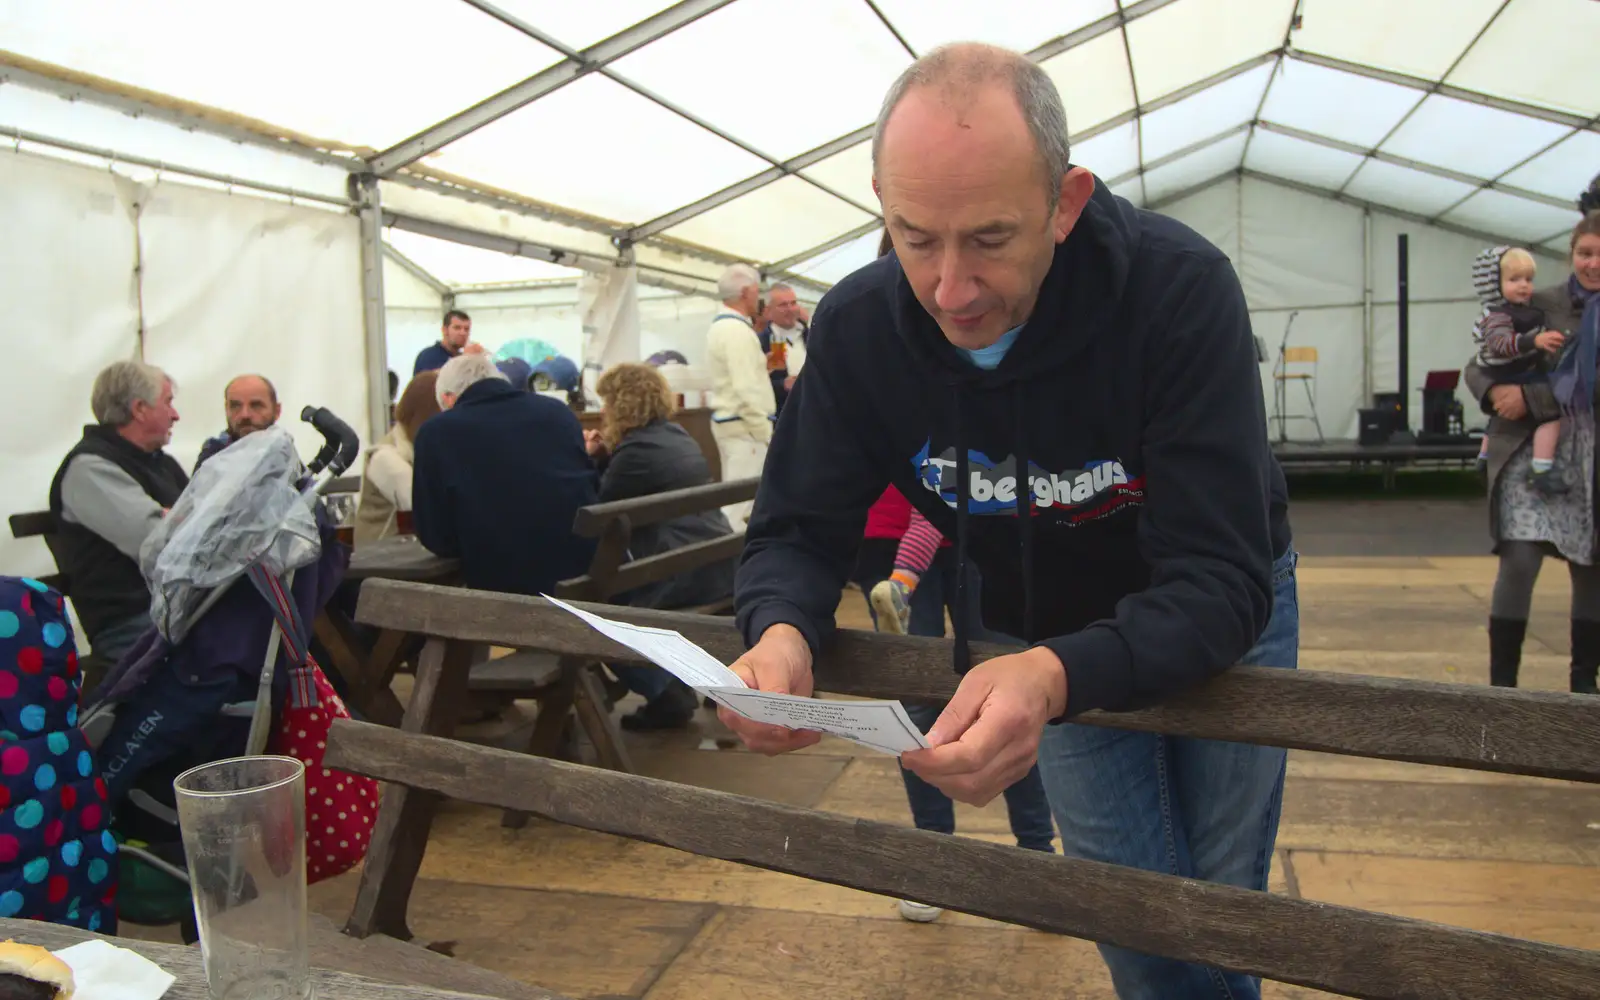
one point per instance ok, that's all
(891, 599)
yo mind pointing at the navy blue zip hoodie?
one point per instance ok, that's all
(1142, 556)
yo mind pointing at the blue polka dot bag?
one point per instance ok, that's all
(58, 860)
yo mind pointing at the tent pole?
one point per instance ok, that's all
(364, 191)
(1403, 261)
(1367, 386)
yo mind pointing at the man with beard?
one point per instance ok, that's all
(251, 404)
(454, 338)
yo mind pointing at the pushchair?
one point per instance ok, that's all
(206, 681)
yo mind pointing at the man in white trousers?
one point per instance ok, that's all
(741, 394)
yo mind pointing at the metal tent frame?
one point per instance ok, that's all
(651, 246)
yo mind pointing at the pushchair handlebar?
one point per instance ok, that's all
(341, 444)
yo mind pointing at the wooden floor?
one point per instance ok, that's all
(596, 916)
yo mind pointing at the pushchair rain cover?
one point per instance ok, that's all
(241, 511)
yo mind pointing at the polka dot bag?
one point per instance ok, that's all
(341, 809)
(58, 862)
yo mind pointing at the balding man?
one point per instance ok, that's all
(249, 403)
(741, 395)
(1066, 385)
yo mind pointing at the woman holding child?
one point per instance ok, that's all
(1541, 449)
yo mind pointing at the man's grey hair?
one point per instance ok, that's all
(781, 286)
(960, 68)
(119, 385)
(462, 372)
(735, 279)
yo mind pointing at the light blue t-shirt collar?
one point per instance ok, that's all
(989, 358)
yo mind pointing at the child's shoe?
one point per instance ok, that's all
(891, 599)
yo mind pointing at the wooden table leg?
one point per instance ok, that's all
(378, 673)
(603, 731)
(405, 815)
(337, 638)
(550, 727)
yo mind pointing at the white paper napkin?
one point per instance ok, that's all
(102, 971)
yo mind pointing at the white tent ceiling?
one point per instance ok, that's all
(712, 130)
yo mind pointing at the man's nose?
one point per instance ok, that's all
(957, 287)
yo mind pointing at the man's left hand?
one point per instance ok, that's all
(987, 738)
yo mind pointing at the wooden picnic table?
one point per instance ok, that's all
(185, 963)
(401, 557)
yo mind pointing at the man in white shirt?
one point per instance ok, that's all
(743, 405)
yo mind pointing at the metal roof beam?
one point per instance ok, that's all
(779, 267)
(1410, 164)
(1399, 213)
(1444, 89)
(161, 166)
(1109, 23)
(416, 270)
(73, 86)
(1177, 154)
(570, 68)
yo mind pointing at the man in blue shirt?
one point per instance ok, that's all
(455, 339)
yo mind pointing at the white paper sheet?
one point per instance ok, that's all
(102, 971)
(878, 725)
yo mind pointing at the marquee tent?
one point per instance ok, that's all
(306, 184)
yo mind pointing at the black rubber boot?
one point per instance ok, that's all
(1585, 656)
(1505, 650)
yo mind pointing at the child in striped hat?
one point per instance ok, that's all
(1514, 348)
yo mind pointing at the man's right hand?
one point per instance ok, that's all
(779, 662)
(1508, 402)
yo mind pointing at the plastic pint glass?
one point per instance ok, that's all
(244, 835)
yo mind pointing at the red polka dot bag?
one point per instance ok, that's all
(341, 808)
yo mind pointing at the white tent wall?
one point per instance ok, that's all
(413, 313)
(68, 306)
(236, 284)
(667, 320)
(227, 284)
(1296, 250)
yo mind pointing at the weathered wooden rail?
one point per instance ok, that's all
(1339, 949)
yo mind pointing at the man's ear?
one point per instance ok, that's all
(1077, 187)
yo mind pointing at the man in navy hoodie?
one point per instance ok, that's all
(1029, 321)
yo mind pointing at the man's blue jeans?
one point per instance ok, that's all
(931, 809)
(1201, 809)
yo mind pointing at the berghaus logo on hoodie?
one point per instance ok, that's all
(1097, 490)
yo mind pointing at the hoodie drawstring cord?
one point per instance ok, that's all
(963, 655)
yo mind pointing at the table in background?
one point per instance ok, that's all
(185, 963)
(402, 557)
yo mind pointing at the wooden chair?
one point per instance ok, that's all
(39, 524)
(564, 686)
(1296, 364)
(1312, 944)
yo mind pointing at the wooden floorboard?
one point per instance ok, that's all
(596, 916)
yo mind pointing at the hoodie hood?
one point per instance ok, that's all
(1486, 277)
(1085, 283)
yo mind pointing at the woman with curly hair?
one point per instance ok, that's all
(640, 451)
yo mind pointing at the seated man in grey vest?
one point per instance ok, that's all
(112, 489)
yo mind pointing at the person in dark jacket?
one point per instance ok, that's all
(110, 491)
(496, 480)
(640, 451)
(1066, 386)
(455, 339)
